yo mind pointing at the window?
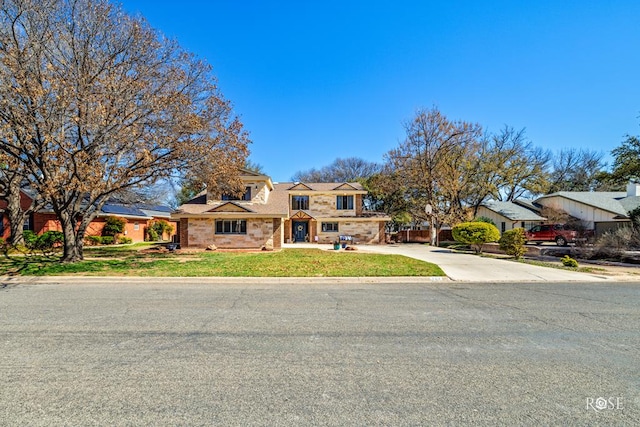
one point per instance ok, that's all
(136, 226)
(504, 226)
(300, 203)
(330, 227)
(246, 196)
(344, 202)
(27, 224)
(231, 226)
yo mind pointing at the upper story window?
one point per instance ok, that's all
(300, 203)
(246, 196)
(344, 202)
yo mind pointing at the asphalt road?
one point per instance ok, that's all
(192, 352)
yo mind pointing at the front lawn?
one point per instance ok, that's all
(284, 263)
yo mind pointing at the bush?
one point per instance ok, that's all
(93, 240)
(30, 238)
(475, 234)
(567, 261)
(108, 240)
(45, 242)
(113, 226)
(484, 219)
(614, 243)
(160, 227)
(49, 240)
(512, 242)
(152, 234)
(125, 240)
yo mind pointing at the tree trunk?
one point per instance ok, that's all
(74, 233)
(72, 250)
(16, 215)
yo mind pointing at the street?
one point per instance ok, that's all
(197, 352)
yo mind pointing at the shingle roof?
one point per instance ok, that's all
(513, 211)
(612, 201)
(277, 205)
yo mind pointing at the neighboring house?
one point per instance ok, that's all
(137, 216)
(270, 214)
(598, 210)
(509, 215)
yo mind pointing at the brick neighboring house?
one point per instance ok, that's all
(137, 216)
(269, 215)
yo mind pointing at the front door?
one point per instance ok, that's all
(300, 231)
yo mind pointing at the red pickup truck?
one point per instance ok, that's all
(562, 234)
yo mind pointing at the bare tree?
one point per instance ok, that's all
(93, 101)
(350, 169)
(576, 170)
(434, 165)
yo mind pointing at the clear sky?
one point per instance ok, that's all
(317, 80)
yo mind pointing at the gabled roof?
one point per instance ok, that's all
(528, 204)
(301, 215)
(610, 201)
(300, 186)
(512, 211)
(345, 186)
(319, 186)
(230, 207)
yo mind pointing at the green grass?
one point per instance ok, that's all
(285, 263)
(558, 265)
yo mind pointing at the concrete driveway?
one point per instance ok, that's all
(472, 268)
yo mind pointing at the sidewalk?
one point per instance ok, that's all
(472, 268)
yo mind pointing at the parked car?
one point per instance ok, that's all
(562, 234)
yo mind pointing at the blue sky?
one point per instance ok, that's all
(317, 80)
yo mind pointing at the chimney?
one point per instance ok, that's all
(633, 189)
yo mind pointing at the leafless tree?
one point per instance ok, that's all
(434, 165)
(349, 169)
(576, 170)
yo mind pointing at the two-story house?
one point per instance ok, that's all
(270, 214)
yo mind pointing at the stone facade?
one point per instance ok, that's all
(270, 215)
(324, 205)
(260, 233)
(363, 232)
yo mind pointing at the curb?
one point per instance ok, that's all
(48, 280)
